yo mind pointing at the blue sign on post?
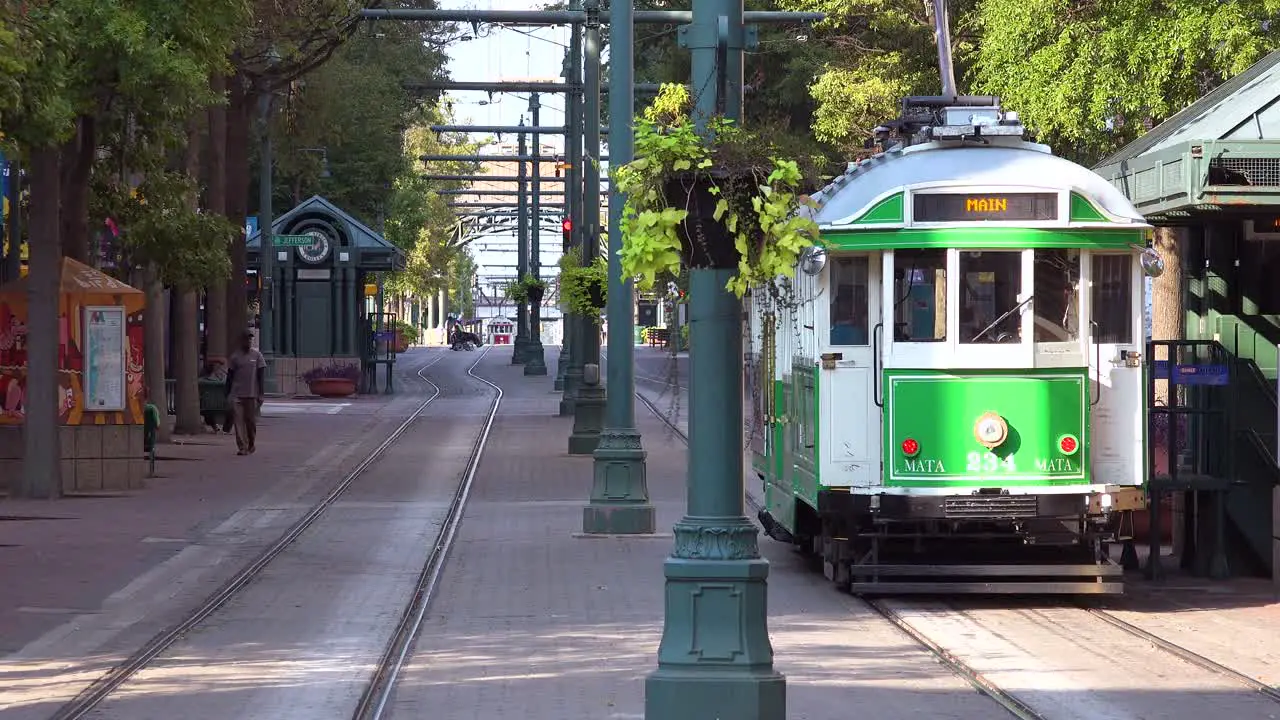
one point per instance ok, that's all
(1193, 374)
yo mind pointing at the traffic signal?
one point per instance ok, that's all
(566, 229)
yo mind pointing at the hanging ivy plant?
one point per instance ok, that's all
(584, 290)
(726, 201)
(527, 289)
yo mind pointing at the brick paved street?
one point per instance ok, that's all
(534, 623)
(110, 572)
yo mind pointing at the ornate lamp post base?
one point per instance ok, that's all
(588, 413)
(535, 361)
(715, 660)
(519, 350)
(562, 365)
(572, 381)
(619, 489)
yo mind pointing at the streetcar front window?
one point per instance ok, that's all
(849, 293)
(989, 285)
(1111, 298)
(920, 295)
(1056, 306)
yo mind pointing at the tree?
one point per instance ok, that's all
(1090, 77)
(33, 121)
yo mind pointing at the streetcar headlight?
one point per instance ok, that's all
(1105, 500)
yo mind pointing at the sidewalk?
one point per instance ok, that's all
(533, 621)
(90, 574)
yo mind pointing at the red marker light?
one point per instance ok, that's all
(910, 447)
(1068, 444)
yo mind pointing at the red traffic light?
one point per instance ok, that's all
(566, 225)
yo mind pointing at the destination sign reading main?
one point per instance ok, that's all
(952, 207)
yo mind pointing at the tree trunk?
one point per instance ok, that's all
(215, 300)
(236, 154)
(187, 345)
(1168, 313)
(77, 161)
(1168, 319)
(153, 319)
(185, 371)
(42, 463)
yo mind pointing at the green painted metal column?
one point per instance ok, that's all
(573, 203)
(535, 361)
(619, 489)
(588, 406)
(715, 659)
(520, 346)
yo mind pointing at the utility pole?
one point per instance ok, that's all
(717, 590)
(266, 246)
(588, 407)
(573, 199)
(619, 488)
(522, 258)
(535, 362)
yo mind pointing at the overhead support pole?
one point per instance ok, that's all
(573, 184)
(483, 158)
(503, 129)
(535, 362)
(521, 344)
(716, 580)
(483, 178)
(513, 205)
(515, 87)
(619, 502)
(502, 193)
(588, 408)
(551, 18)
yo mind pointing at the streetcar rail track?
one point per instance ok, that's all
(1190, 656)
(104, 686)
(1010, 703)
(381, 687)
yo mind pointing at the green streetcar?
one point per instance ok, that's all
(952, 396)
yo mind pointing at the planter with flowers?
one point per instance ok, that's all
(726, 201)
(405, 335)
(332, 381)
(584, 290)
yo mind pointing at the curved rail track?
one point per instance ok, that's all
(373, 702)
(1011, 703)
(378, 690)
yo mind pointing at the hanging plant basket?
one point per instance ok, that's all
(705, 242)
(535, 294)
(596, 294)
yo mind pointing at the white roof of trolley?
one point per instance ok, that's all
(1007, 166)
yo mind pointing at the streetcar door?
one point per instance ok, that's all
(848, 310)
(1116, 388)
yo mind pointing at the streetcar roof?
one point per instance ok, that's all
(1001, 165)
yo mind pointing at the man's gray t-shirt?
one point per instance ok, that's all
(244, 383)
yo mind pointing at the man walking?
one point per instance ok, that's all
(246, 377)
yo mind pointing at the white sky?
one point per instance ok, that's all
(507, 54)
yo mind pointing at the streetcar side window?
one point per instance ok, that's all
(849, 293)
(920, 295)
(1057, 300)
(989, 285)
(1111, 298)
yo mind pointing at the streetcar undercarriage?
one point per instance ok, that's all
(982, 543)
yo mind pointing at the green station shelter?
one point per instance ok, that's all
(320, 316)
(1212, 172)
